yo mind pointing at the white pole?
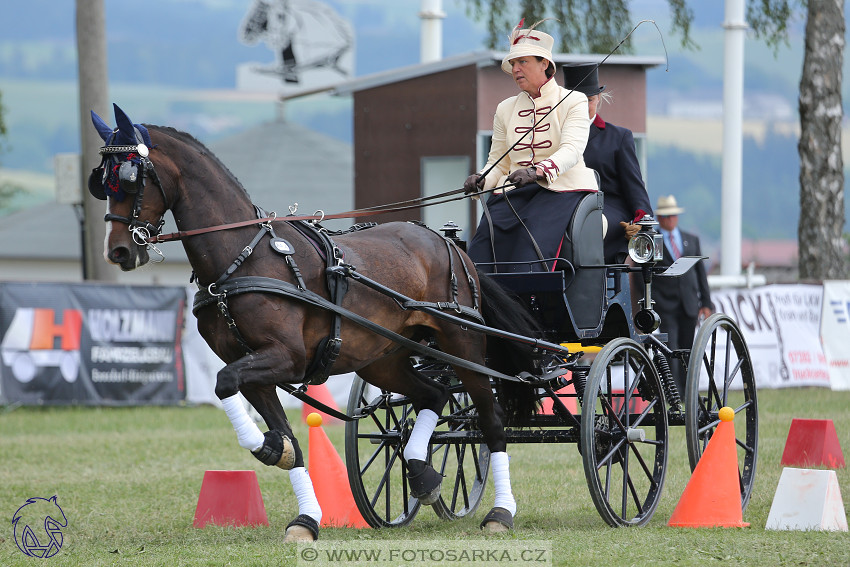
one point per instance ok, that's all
(733, 113)
(431, 41)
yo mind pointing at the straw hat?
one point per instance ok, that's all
(525, 42)
(667, 206)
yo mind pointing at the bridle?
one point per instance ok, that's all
(143, 232)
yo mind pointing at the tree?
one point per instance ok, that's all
(821, 165)
(596, 26)
(7, 190)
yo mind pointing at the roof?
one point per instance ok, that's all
(478, 58)
(281, 164)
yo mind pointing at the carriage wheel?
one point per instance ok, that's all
(373, 455)
(624, 452)
(720, 373)
(464, 463)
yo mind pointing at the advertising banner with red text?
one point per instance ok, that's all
(91, 344)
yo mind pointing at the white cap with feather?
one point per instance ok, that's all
(528, 41)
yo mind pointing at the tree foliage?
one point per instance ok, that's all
(596, 26)
(580, 26)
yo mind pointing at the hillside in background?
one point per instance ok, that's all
(173, 62)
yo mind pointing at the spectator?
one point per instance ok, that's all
(680, 302)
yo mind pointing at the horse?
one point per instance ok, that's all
(268, 338)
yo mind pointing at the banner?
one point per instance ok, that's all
(834, 330)
(91, 344)
(781, 324)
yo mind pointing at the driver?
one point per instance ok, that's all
(544, 162)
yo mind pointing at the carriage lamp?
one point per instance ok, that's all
(648, 244)
(450, 230)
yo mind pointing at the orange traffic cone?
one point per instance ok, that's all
(321, 394)
(330, 480)
(230, 498)
(712, 497)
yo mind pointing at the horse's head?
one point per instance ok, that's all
(120, 180)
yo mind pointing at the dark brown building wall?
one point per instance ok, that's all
(396, 125)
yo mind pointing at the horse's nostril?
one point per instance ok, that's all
(119, 254)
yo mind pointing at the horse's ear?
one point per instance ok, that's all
(125, 125)
(102, 127)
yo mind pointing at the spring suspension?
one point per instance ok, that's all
(579, 382)
(671, 391)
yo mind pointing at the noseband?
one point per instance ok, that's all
(142, 231)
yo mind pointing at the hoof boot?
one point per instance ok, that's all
(497, 520)
(303, 528)
(424, 481)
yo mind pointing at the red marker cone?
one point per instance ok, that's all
(712, 497)
(812, 443)
(230, 498)
(330, 480)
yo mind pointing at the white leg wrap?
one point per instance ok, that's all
(417, 445)
(499, 464)
(304, 493)
(247, 433)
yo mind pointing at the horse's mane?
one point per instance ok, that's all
(193, 142)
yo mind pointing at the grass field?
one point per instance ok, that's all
(128, 481)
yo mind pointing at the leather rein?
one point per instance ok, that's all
(320, 216)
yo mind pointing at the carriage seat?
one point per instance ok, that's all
(569, 299)
(583, 247)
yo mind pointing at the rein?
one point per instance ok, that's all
(320, 216)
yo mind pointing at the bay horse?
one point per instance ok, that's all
(268, 338)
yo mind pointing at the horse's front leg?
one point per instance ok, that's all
(305, 527)
(255, 374)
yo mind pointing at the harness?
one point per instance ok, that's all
(218, 291)
(337, 275)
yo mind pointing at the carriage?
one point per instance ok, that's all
(597, 346)
(285, 302)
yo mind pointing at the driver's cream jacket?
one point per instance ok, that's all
(556, 144)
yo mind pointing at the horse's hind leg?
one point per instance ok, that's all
(500, 517)
(305, 527)
(396, 374)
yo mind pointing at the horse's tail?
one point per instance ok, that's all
(505, 312)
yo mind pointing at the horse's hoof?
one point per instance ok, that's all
(287, 456)
(297, 534)
(424, 481)
(498, 520)
(277, 450)
(303, 528)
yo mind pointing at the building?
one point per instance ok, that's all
(421, 130)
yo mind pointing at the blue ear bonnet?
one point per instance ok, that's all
(118, 177)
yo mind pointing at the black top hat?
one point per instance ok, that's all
(583, 77)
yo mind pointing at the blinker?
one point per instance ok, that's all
(128, 177)
(96, 181)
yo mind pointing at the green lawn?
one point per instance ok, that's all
(128, 481)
